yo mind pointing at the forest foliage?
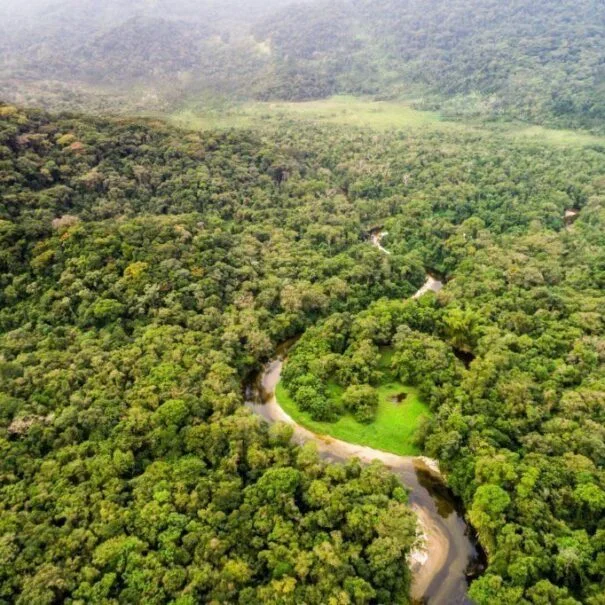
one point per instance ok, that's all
(539, 62)
(144, 275)
(146, 272)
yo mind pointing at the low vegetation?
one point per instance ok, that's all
(380, 116)
(394, 428)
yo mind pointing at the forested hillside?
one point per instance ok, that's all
(535, 61)
(540, 62)
(147, 271)
(128, 55)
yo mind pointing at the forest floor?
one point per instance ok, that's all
(394, 427)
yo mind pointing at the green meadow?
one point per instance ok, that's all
(392, 431)
(342, 110)
(363, 113)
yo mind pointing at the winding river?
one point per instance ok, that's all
(432, 284)
(442, 564)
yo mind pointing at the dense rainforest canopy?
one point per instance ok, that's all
(540, 62)
(146, 271)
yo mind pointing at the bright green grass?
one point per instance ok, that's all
(190, 119)
(393, 429)
(559, 137)
(352, 111)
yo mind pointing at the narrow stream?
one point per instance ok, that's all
(432, 284)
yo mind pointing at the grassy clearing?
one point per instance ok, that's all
(351, 111)
(365, 113)
(565, 138)
(392, 431)
(395, 424)
(190, 119)
(342, 110)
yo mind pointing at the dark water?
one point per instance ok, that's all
(467, 549)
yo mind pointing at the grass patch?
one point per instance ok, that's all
(558, 137)
(341, 110)
(365, 113)
(213, 119)
(393, 429)
(352, 111)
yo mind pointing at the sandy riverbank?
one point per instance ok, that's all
(441, 539)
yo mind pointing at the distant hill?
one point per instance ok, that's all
(68, 54)
(139, 48)
(535, 61)
(531, 60)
